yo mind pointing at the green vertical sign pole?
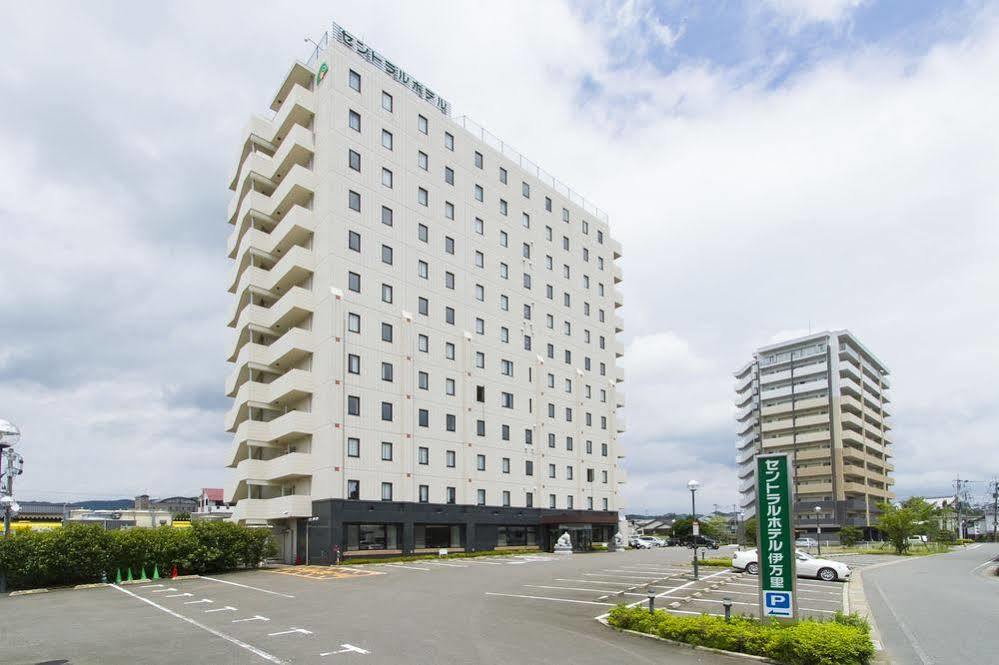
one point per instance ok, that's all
(775, 532)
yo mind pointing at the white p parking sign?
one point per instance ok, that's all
(778, 604)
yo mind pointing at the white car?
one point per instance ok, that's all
(806, 564)
(805, 542)
(643, 543)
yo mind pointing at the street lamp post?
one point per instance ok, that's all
(818, 528)
(11, 464)
(692, 486)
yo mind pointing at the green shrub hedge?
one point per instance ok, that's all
(845, 640)
(79, 553)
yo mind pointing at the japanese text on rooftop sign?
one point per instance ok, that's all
(390, 68)
(776, 536)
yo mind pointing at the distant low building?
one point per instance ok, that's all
(212, 505)
(172, 504)
(118, 519)
(651, 526)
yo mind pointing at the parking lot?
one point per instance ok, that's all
(526, 609)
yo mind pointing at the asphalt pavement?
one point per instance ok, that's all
(937, 610)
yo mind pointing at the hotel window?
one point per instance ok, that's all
(527, 312)
(480, 394)
(480, 259)
(507, 400)
(504, 271)
(448, 245)
(386, 332)
(506, 367)
(387, 178)
(527, 342)
(448, 141)
(354, 160)
(551, 501)
(387, 372)
(568, 502)
(565, 215)
(386, 101)
(528, 468)
(449, 350)
(480, 293)
(449, 387)
(353, 322)
(480, 497)
(502, 175)
(505, 432)
(504, 303)
(386, 451)
(423, 381)
(421, 124)
(527, 281)
(525, 189)
(506, 497)
(480, 427)
(422, 197)
(353, 447)
(423, 269)
(422, 232)
(589, 447)
(449, 175)
(603, 449)
(423, 418)
(353, 405)
(529, 499)
(386, 255)
(449, 315)
(548, 204)
(386, 139)
(387, 411)
(423, 343)
(451, 495)
(354, 200)
(528, 437)
(353, 364)
(423, 455)
(480, 462)
(549, 263)
(526, 250)
(424, 493)
(600, 237)
(354, 282)
(422, 160)
(503, 207)
(478, 160)
(480, 359)
(354, 80)
(479, 226)
(354, 241)
(386, 216)
(386, 293)
(479, 194)
(354, 120)
(505, 465)
(449, 459)
(353, 489)
(568, 472)
(586, 227)
(449, 211)
(568, 443)
(603, 476)
(450, 422)
(504, 239)
(449, 280)
(386, 491)
(480, 326)
(605, 503)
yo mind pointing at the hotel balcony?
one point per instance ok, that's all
(615, 246)
(291, 386)
(275, 433)
(618, 323)
(268, 237)
(745, 441)
(794, 423)
(742, 458)
(617, 273)
(274, 470)
(618, 298)
(287, 312)
(620, 423)
(297, 188)
(280, 507)
(810, 370)
(799, 405)
(284, 352)
(618, 347)
(798, 389)
(619, 398)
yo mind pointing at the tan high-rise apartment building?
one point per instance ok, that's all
(425, 322)
(824, 400)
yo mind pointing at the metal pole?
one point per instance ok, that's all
(693, 513)
(8, 489)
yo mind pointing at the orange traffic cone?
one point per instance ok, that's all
(173, 573)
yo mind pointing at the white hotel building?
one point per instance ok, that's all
(424, 350)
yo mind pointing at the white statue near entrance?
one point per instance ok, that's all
(618, 542)
(564, 544)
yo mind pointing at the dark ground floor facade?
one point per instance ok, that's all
(388, 528)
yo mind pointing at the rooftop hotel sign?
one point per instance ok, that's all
(390, 68)
(776, 535)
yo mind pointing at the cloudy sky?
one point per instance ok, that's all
(771, 167)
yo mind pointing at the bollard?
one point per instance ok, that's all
(727, 603)
(703, 554)
(652, 600)
(104, 577)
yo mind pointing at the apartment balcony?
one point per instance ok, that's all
(859, 488)
(848, 354)
(618, 375)
(297, 148)
(746, 441)
(619, 398)
(850, 387)
(617, 273)
(618, 323)
(744, 382)
(615, 247)
(743, 457)
(291, 386)
(795, 423)
(798, 389)
(744, 413)
(814, 487)
(271, 434)
(280, 507)
(819, 453)
(296, 229)
(618, 347)
(802, 438)
(298, 110)
(297, 188)
(618, 298)
(814, 369)
(821, 472)
(284, 352)
(620, 423)
(747, 484)
(747, 428)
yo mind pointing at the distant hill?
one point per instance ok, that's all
(95, 504)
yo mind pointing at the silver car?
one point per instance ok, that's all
(806, 565)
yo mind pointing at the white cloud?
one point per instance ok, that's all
(801, 12)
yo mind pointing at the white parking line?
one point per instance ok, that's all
(149, 586)
(247, 586)
(626, 584)
(290, 631)
(449, 565)
(345, 648)
(634, 577)
(253, 618)
(227, 608)
(399, 565)
(576, 588)
(560, 600)
(195, 602)
(487, 563)
(162, 590)
(807, 590)
(228, 638)
(667, 592)
(179, 595)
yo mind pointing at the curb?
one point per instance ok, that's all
(749, 656)
(97, 585)
(27, 592)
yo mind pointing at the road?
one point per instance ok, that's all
(937, 610)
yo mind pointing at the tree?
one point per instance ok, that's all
(850, 535)
(749, 528)
(898, 523)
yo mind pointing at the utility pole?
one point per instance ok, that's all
(957, 502)
(995, 510)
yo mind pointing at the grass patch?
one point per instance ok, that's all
(720, 563)
(914, 550)
(354, 560)
(844, 640)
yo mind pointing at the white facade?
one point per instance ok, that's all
(413, 312)
(822, 399)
